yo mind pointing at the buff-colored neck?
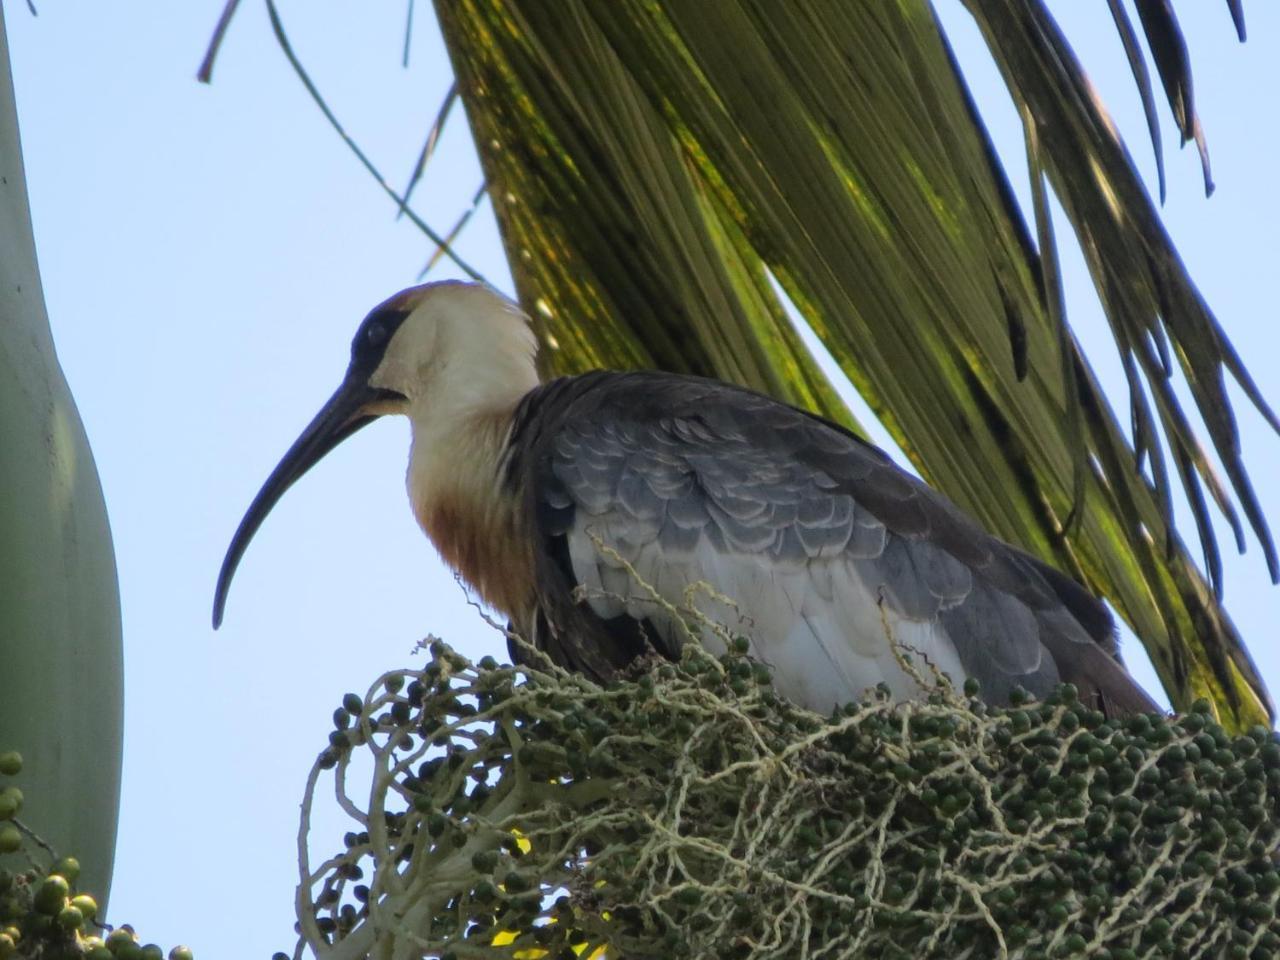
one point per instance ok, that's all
(482, 366)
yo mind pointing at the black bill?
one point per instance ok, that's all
(346, 412)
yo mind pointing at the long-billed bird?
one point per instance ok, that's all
(596, 510)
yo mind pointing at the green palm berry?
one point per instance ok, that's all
(51, 895)
(515, 882)
(118, 937)
(689, 896)
(10, 803)
(68, 867)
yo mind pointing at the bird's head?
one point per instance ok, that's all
(429, 351)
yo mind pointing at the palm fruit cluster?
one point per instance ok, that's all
(43, 915)
(690, 812)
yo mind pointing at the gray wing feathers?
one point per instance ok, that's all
(819, 584)
(825, 548)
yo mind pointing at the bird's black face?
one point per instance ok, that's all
(369, 345)
(355, 404)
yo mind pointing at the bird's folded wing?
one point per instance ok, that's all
(671, 501)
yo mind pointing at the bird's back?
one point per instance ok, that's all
(659, 498)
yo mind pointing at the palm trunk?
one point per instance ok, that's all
(61, 697)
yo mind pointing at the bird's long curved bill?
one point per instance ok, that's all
(342, 416)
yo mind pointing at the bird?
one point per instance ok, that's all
(613, 515)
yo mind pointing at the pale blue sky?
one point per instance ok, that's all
(207, 254)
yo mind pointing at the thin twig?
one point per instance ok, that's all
(278, 28)
(205, 73)
(433, 137)
(35, 838)
(408, 33)
(457, 229)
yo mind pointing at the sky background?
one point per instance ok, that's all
(207, 253)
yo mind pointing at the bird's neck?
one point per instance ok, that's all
(461, 500)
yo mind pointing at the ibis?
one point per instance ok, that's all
(616, 514)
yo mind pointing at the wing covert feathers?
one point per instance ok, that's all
(652, 493)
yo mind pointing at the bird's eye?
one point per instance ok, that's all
(376, 334)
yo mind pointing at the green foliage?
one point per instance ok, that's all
(44, 914)
(691, 812)
(651, 163)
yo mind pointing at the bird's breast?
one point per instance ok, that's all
(484, 546)
(472, 518)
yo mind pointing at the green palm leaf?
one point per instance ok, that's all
(649, 161)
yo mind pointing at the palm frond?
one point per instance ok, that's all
(651, 162)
